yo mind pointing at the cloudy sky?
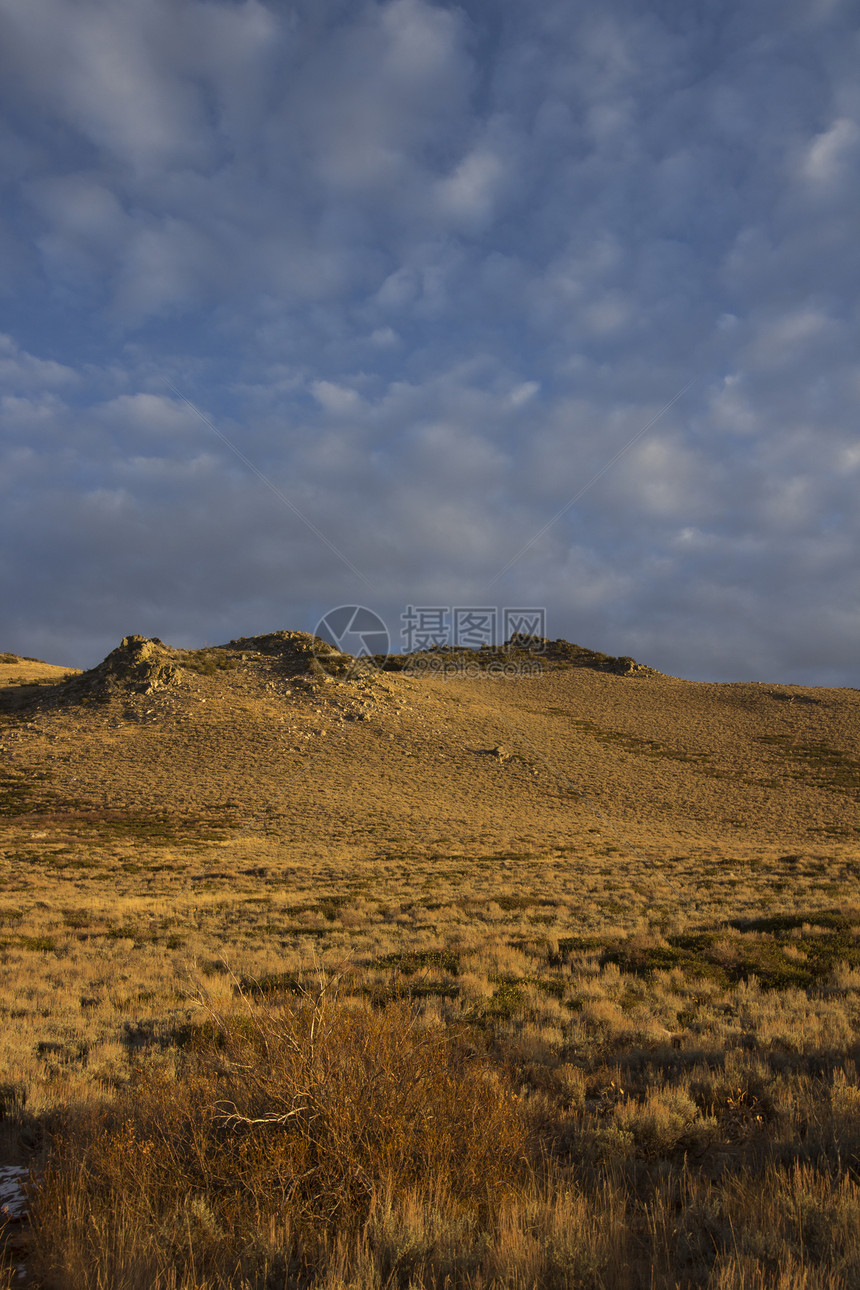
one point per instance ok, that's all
(424, 273)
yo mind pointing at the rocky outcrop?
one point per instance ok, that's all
(139, 664)
(301, 654)
(535, 652)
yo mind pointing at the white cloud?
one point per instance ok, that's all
(849, 458)
(789, 504)
(22, 371)
(399, 289)
(128, 76)
(831, 153)
(105, 70)
(337, 399)
(150, 414)
(782, 338)
(384, 338)
(731, 408)
(105, 503)
(382, 88)
(462, 459)
(164, 265)
(431, 267)
(524, 393)
(663, 477)
(29, 414)
(607, 314)
(470, 192)
(201, 469)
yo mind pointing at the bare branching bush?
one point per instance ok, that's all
(270, 1132)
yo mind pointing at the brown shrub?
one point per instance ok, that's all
(273, 1131)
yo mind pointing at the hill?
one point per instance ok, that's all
(530, 967)
(544, 745)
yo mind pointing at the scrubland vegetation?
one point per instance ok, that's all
(513, 1070)
(317, 984)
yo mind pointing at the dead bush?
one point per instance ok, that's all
(270, 1132)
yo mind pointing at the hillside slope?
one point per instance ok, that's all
(267, 740)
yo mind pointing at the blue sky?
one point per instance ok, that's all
(429, 267)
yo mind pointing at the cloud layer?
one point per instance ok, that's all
(430, 269)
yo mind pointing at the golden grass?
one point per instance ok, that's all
(101, 943)
(270, 1131)
(678, 1075)
(326, 1142)
(584, 1066)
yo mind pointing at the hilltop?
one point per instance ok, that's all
(542, 744)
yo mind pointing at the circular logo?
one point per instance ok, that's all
(354, 629)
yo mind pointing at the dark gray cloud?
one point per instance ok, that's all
(430, 267)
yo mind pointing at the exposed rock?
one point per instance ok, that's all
(141, 666)
(535, 652)
(13, 1198)
(138, 664)
(301, 654)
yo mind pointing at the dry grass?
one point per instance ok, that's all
(242, 1154)
(565, 1062)
(558, 1122)
(329, 1143)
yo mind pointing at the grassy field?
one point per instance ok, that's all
(674, 1070)
(232, 1061)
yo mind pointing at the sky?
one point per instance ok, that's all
(410, 304)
